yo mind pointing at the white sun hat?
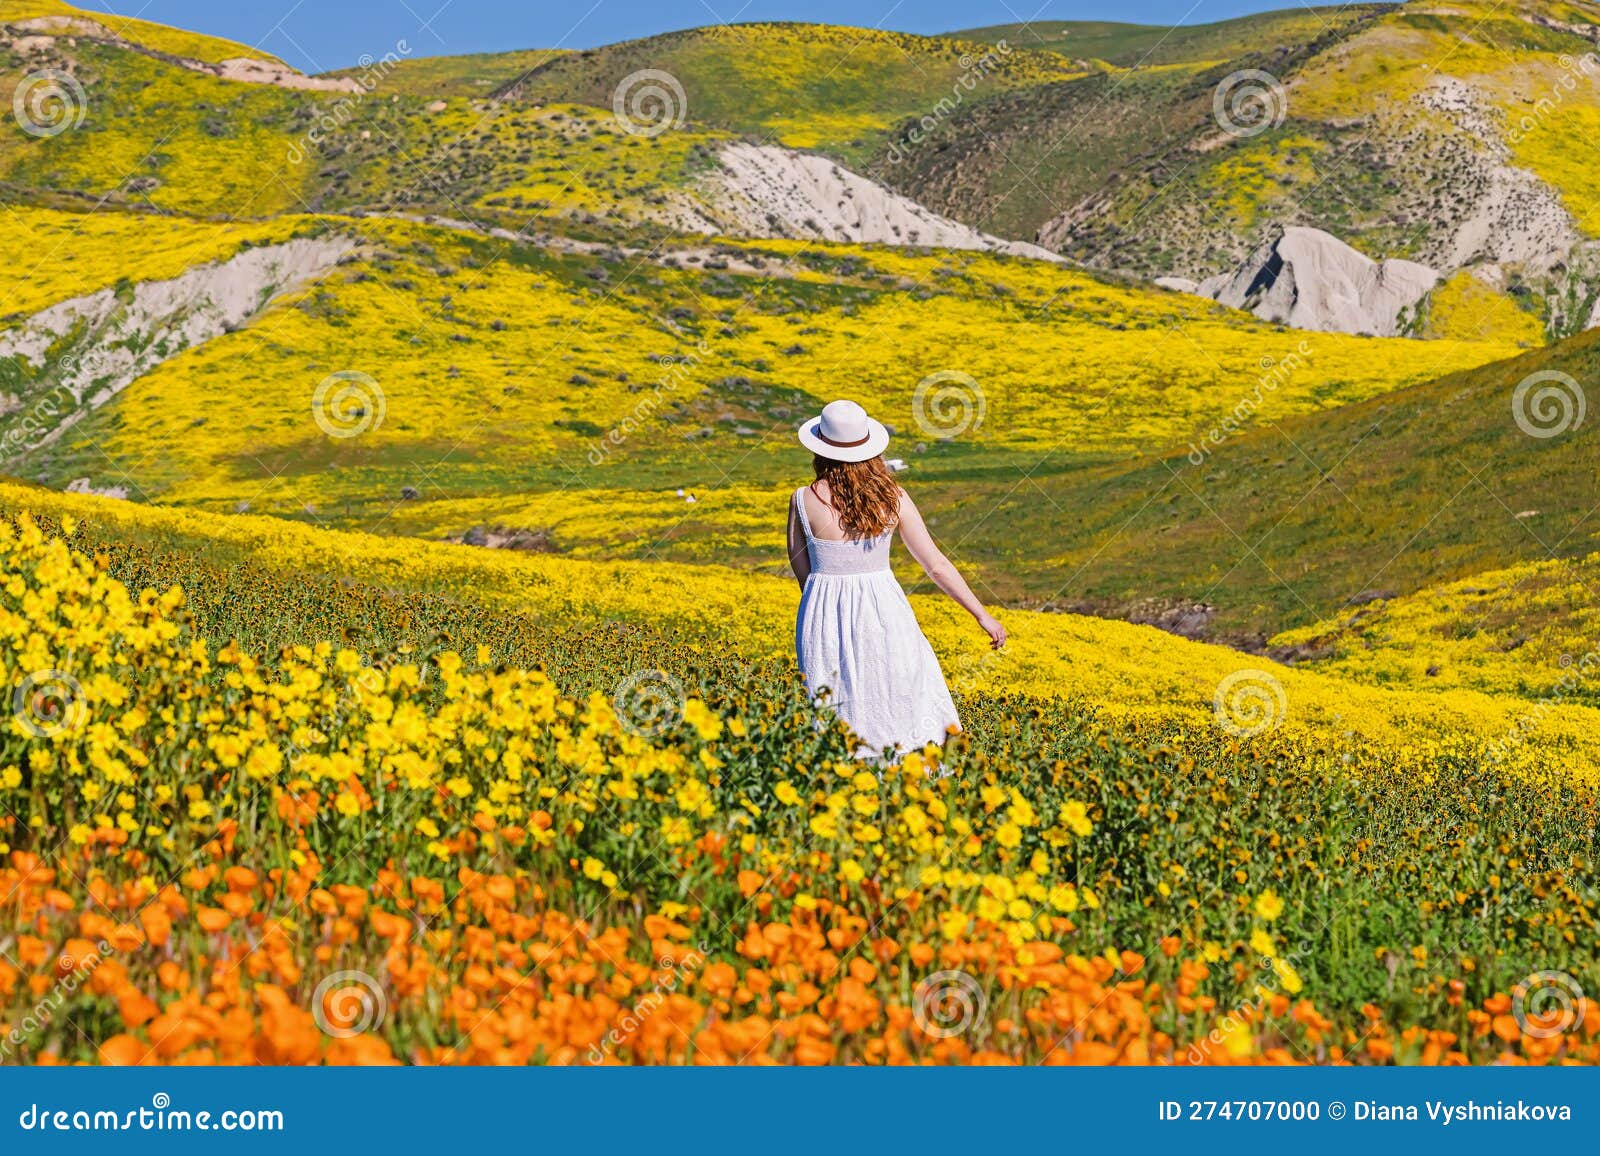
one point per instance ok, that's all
(844, 433)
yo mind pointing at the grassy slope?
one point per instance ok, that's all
(1011, 163)
(157, 135)
(161, 135)
(1133, 45)
(502, 365)
(552, 166)
(1282, 525)
(1015, 163)
(809, 86)
(1128, 672)
(1527, 630)
(159, 37)
(470, 74)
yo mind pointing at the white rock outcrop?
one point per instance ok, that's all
(253, 70)
(769, 191)
(46, 30)
(1502, 213)
(1309, 279)
(88, 349)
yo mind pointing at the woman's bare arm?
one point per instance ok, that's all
(940, 570)
(799, 556)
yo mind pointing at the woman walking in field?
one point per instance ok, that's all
(855, 634)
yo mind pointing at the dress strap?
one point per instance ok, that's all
(800, 504)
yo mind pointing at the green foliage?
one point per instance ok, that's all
(808, 86)
(1285, 524)
(1141, 45)
(1392, 882)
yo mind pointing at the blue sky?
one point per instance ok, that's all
(316, 35)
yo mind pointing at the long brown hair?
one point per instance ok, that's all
(864, 495)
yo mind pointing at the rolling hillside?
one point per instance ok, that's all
(506, 370)
(1120, 162)
(1300, 517)
(1527, 630)
(51, 17)
(516, 303)
(1143, 45)
(399, 457)
(1441, 133)
(154, 133)
(474, 74)
(807, 86)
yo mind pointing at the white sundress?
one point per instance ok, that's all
(857, 636)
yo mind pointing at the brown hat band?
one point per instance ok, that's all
(842, 445)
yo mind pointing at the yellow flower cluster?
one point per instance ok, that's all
(1129, 672)
(131, 734)
(1526, 631)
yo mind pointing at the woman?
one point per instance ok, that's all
(856, 635)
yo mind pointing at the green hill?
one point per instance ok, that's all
(506, 358)
(1140, 45)
(51, 17)
(1296, 519)
(1526, 630)
(804, 85)
(470, 74)
(151, 133)
(1449, 134)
